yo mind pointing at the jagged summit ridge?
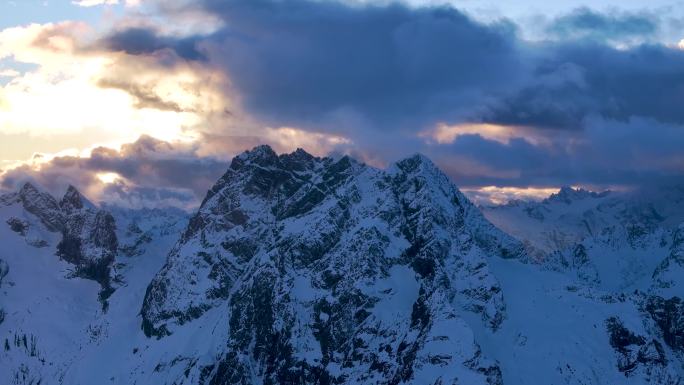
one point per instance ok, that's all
(74, 200)
(304, 252)
(568, 194)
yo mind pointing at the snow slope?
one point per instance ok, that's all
(55, 326)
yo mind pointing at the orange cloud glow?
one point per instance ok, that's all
(501, 195)
(444, 133)
(73, 93)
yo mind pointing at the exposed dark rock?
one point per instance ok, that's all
(668, 314)
(18, 226)
(72, 200)
(89, 239)
(4, 270)
(622, 338)
(633, 350)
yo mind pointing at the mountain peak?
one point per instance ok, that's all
(74, 200)
(299, 160)
(262, 155)
(42, 205)
(30, 193)
(568, 194)
(416, 163)
(263, 152)
(28, 189)
(299, 154)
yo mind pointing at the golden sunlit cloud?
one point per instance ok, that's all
(290, 138)
(71, 92)
(89, 98)
(108, 177)
(501, 195)
(445, 134)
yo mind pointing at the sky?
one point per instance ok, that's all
(144, 102)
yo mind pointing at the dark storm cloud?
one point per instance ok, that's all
(310, 63)
(151, 162)
(616, 84)
(140, 40)
(324, 64)
(587, 24)
(600, 91)
(640, 151)
(303, 62)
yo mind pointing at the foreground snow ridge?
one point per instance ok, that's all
(305, 270)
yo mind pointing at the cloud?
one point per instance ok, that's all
(140, 40)
(327, 64)
(617, 27)
(92, 3)
(644, 81)
(9, 73)
(445, 134)
(147, 172)
(334, 66)
(489, 195)
(607, 154)
(145, 97)
(75, 92)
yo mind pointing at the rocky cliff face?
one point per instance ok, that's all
(88, 234)
(335, 272)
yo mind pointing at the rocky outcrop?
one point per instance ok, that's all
(18, 226)
(88, 239)
(4, 270)
(633, 351)
(668, 314)
(331, 271)
(88, 234)
(568, 195)
(43, 206)
(667, 276)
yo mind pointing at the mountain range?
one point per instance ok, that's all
(297, 269)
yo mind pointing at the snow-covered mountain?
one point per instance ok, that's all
(622, 247)
(614, 240)
(306, 270)
(73, 277)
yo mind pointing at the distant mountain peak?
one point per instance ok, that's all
(88, 236)
(415, 162)
(262, 155)
(42, 205)
(568, 194)
(28, 189)
(74, 200)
